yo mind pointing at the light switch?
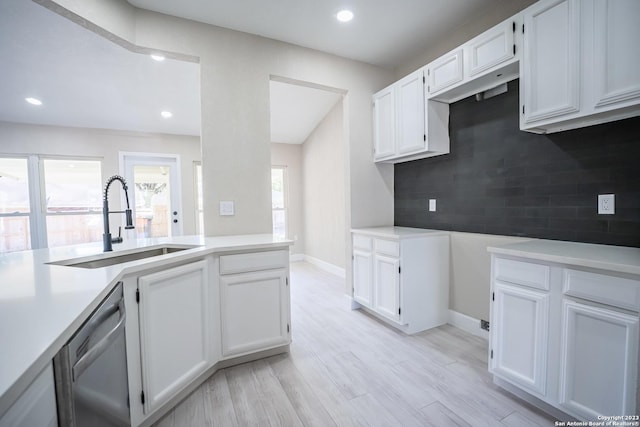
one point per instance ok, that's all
(226, 208)
(432, 205)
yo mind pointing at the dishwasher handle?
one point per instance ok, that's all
(94, 352)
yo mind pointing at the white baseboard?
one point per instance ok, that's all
(467, 324)
(329, 268)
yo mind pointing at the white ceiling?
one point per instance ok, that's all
(383, 32)
(297, 110)
(85, 80)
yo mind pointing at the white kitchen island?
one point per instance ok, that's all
(42, 305)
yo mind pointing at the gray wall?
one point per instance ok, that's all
(460, 35)
(500, 180)
(235, 72)
(323, 170)
(503, 181)
(317, 214)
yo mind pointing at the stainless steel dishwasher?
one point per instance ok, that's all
(91, 370)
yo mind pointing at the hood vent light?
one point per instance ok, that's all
(490, 93)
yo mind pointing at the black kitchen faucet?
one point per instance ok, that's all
(107, 240)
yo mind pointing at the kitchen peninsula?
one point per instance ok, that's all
(42, 304)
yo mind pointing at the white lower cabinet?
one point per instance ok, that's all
(192, 316)
(254, 302)
(566, 335)
(36, 406)
(520, 325)
(254, 311)
(387, 286)
(363, 277)
(599, 360)
(175, 331)
(401, 275)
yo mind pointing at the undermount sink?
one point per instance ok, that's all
(106, 260)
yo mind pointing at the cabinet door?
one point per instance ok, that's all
(384, 123)
(411, 136)
(254, 311)
(550, 68)
(445, 71)
(36, 406)
(616, 52)
(599, 361)
(175, 330)
(519, 336)
(362, 277)
(387, 286)
(489, 49)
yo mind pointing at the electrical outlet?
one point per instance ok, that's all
(227, 208)
(484, 324)
(432, 205)
(606, 204)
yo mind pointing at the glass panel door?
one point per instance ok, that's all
(156, 194)
(153, 200)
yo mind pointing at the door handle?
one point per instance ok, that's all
(94, 352)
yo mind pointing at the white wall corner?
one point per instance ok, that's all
(467, 324)
(296, 257)
(323, 265)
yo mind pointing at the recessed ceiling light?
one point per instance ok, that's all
(166, 114)
(344, 15)
(158, 58)
(33, 101)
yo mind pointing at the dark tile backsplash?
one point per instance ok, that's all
(500, 180)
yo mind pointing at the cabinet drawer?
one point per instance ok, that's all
(387, 247)
(362, 242)
(522, 273)
(254, 261)
(615, 291)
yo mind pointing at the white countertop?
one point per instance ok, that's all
(392, 232)
(612, 258)
(42, 305)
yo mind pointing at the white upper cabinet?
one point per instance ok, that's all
(489, 49)
(484, 62)
(616, 53)
(406, 126)
(384, 122)
(550, 69)
(580, 64)
(411, 136)
(445, 71)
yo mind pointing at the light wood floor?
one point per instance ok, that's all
(347, 369)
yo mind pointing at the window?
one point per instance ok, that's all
(15, 207)
(279, 200)
(73, 201)
(199, 201)
(46, 202)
